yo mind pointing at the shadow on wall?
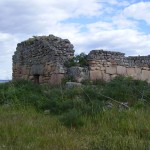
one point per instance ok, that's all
(36, 78)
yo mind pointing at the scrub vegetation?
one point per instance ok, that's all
(95, 116)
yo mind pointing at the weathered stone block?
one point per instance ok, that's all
(138, 73)
(56, 79)
(121, 70)
(108, 63)
(25, 77)
(99, 65)
(106, 77)
(113, 62)
(103, 68)
(37, 69)
(96, 75)
(145, 75)
(111, 70)
(93, 68)
(131, 72)
(138, 70)
(25, 70)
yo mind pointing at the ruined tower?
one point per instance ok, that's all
(41, 59)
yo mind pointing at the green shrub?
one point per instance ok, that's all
(21, 92)
(87, 100)
(82, 60)
(78, 60)
(125, 89)
(71, 119)
(139, 105)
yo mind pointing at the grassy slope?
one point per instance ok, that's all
(23, 124)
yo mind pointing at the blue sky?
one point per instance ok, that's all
(117, 25)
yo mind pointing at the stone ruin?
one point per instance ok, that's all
(41, 59)
(106, 65)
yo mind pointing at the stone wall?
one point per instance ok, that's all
(106, 65)
(42, 59)
(79, 74)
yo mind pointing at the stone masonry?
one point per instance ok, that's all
(41, 59)
(106, 65)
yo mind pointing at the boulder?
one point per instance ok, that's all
(78, 73)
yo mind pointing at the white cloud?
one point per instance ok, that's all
(106, 35)
(7, 47)
(100, 25)
(118, 3)
(139, 11)
(34, 15)
(106, 24)
(121, 22)
(7, 44)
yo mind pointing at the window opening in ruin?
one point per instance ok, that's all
(36, 78)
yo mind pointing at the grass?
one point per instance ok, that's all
(77, 119)
(27, 129)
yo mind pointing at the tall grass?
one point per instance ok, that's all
(113, 130)
(77, 118)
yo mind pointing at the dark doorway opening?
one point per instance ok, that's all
(36, 78)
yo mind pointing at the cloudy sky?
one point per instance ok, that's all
(118, 25)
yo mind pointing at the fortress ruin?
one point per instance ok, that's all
(42, 58)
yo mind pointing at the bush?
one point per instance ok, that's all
(78, 60)
(125, 89)
(21, 93)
